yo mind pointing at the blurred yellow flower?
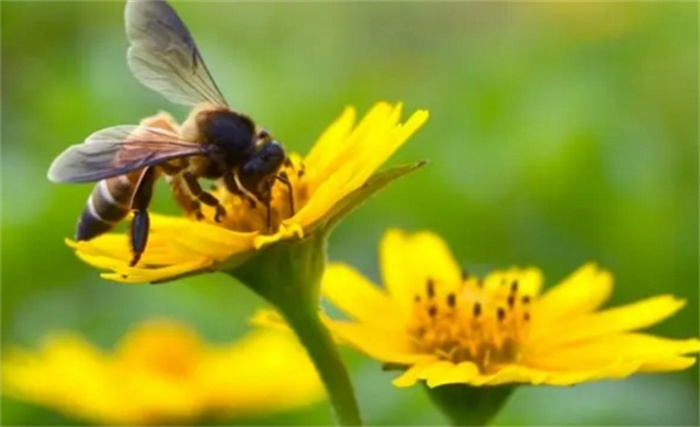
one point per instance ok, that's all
(444, 327)
(342, 161)
(162, 372)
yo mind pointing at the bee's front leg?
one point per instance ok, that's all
(234, 187)
(204, 196)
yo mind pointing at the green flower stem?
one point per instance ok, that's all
(288, 275)
(466, 405)
(323, 352)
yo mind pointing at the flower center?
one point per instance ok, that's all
(246, 214)
(165, 350)
(476, 323)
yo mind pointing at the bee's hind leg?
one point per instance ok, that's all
(141, 223)
(204, 196)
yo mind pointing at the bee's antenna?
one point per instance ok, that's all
(284, 179)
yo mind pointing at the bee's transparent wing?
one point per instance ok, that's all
(163, 56)
(119, 150)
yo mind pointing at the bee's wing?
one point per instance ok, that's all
(163, 56)
(118, 150)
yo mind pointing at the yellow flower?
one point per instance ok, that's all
(162, 372)
(339, 167)
(448, 328)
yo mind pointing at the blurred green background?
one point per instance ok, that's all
(559, 133)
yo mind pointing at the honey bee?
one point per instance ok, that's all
(215, 142)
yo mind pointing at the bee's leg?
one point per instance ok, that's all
(233, 186)
(284, 179)
(204, 196)
(197, 209)
(140, 223)
(267, 200)
(189, 205)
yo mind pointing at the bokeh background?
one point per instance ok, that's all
(560, 133)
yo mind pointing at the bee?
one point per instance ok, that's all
(215, 142)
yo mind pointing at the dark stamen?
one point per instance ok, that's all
(432, 311)
(416, 298)
(287, 162)
(300, 173)
(501, 313)
(431, 288)
(465, 275)
(514, 286)
(526, 316)
(451, 299)
(511, 301)
(477, 310)
(526, 299)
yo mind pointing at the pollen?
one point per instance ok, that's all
(482, 323)
(247, 214)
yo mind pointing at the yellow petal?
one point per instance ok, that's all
(148, 275)
(125, 274)
(323, 199)
(358, 297)
(245, 377)
(285, 232)
(582, 292)
(408, 261)
(626, 318)
(439, 373)
(365, 149)
(68, 373)
(118, 248)
(461, 373)
(383, 146)
(607, 350)
(417, 372)
(326, 150)
(600, 360)
(512, 374)
(528, 375)
(345, 151)
(200, 237)
(442, 372)
(376, 342)
(668, 364)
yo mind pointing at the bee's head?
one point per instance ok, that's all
(266, 160)
(232, 133)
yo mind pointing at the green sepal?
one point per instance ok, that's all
(466, 405)
(356, 198)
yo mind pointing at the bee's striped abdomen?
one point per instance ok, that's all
(108, 204)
